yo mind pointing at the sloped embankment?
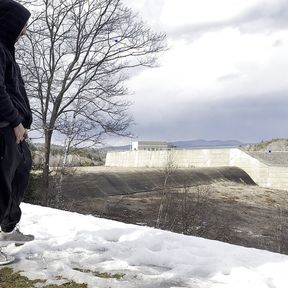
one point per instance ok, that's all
(106, 181)
(272, 158)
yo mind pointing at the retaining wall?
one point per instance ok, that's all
(263, 174)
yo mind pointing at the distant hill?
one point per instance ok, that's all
(118, 148)
(206, 143)
(189, 144)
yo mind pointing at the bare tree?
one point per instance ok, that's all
(75, 59)
(168, 171)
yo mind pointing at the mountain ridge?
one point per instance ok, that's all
(184, 144)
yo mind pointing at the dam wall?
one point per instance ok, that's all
(99, 181)
(263, 174)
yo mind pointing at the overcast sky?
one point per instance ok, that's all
(224, 76)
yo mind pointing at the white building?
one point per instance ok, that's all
(150, 145)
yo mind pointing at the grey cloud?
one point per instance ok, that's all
(228, 77)
(245, 118)
(262, 17)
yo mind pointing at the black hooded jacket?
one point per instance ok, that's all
(14, 104)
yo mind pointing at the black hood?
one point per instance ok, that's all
(13, 17)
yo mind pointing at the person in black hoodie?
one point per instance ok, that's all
(15, 119)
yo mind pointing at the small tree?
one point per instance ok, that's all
(169, 169)
(75, 61)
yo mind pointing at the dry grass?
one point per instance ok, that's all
(11, 279)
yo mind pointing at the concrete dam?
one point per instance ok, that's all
(106, 181)
(263, 173)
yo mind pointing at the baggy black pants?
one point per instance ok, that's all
(15, 166)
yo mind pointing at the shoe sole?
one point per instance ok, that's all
(17, 243)
(8, 261)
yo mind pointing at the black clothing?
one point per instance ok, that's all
(15, 159)
(14, 104)
(15, 166)
(13, 17)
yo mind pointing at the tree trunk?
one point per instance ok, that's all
(66, 151)
(47, 148)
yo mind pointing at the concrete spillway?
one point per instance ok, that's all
(264, 174)
(104, 181)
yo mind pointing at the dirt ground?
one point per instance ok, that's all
(241, 214)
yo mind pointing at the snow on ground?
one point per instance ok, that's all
(74, 246)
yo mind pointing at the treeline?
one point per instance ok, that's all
(77, 157)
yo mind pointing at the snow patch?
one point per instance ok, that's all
(71, 246)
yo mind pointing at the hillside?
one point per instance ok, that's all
(269, 145)
(103, 253)
(272, 152)
(77, 156)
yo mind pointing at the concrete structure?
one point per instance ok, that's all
(263, 174)
(149, 145)
(90, 182)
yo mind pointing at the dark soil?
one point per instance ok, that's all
(240, 214)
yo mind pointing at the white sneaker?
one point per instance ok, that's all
(5, 259)
(15, 236)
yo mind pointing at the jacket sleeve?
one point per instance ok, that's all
(8, 111)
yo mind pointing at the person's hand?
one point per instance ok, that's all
(20, 133)
(26, 134)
